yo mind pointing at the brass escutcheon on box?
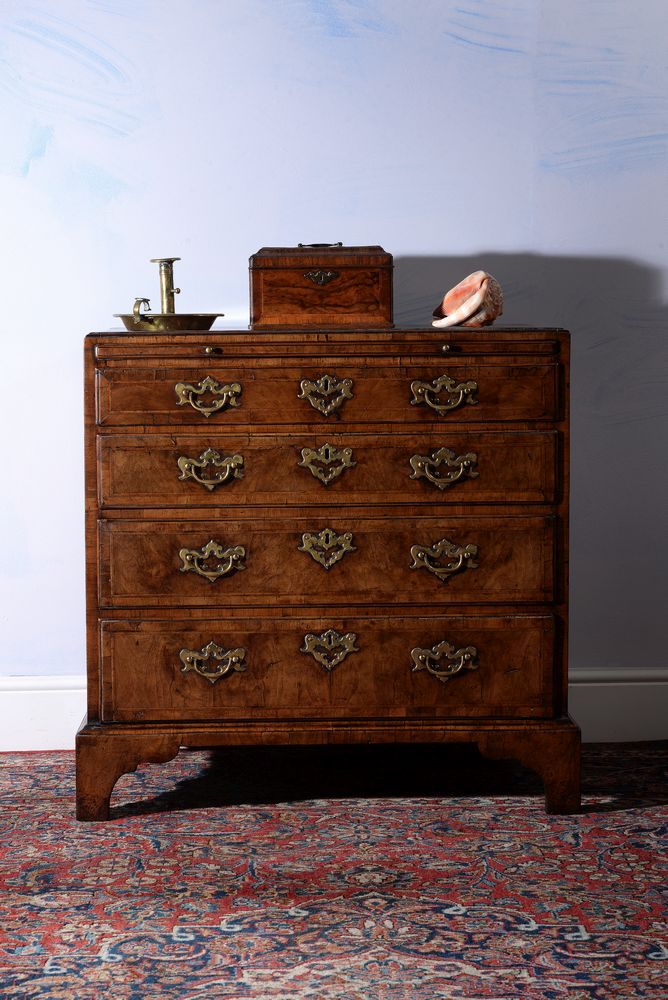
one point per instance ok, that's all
(321, 277)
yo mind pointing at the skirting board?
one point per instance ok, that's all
(43, 713)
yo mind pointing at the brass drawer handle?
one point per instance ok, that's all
(327, 462)
(321, 278)
(456, 394)
(190, 394)
(224, 661)
(327, 548)
(455, 659)
(197, 560)
(456, 467)
(228, 468)
(327, 393)
(330, 648)
(459, 557)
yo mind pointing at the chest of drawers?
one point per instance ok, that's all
(326, 537)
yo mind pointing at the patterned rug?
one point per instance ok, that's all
(336, 874)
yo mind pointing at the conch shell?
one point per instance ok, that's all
(475, 301)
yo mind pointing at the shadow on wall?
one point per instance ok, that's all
(619, 430)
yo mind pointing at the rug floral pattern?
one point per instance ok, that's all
(231, 877)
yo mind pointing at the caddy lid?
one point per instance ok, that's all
(307, 254)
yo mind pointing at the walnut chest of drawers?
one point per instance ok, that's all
(326, 537)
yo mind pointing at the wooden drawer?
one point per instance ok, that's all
(381, 560)
(143, 675)
(431, 466)
(383, 389)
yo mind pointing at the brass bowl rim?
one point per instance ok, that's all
(155, 315)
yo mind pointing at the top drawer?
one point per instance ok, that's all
(327, 391)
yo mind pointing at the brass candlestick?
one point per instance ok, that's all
(167, 290)
(139, 321)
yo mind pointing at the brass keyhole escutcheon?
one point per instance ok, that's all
(330, 647)
(327, 463)
(326, 394)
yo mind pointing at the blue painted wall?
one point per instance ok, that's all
(530, 138)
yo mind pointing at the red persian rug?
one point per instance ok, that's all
(336, 874)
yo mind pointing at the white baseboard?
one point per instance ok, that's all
(41, 713)
(619, 705)
(44, 713)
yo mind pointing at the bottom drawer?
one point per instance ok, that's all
(335, 667)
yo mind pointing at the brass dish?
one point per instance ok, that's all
(158, 322)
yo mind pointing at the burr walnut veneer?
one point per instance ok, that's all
(317, 285)
(326, 536)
